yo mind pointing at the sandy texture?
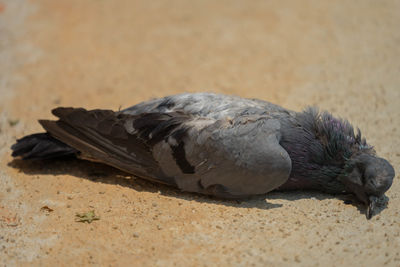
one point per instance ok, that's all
(341, 55)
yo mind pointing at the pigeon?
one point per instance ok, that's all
(220, 145)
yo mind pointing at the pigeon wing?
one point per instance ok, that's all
(102, 136)
(229, 158)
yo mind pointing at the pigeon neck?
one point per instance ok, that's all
(319, 146)
(308, 174)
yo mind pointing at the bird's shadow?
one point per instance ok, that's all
(100, 173)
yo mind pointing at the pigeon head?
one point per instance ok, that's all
(328, 155)
(368, 177)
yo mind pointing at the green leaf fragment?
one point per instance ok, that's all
(86, 217)
(13, 122)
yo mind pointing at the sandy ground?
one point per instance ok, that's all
(343, 56)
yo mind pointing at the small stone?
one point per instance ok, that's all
(296, 258)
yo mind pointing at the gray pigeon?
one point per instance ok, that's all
(219, 145)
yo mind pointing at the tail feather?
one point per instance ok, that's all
(41, 146)
(100, 135)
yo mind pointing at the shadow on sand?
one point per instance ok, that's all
(101, 173)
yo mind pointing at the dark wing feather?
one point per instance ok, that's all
(121, 140)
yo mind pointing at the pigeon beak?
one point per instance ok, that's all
(372, 201)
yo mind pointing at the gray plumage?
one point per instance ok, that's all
(220, 145)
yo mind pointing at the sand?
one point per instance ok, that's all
(343, 56)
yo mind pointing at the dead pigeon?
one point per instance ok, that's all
(219, 145)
